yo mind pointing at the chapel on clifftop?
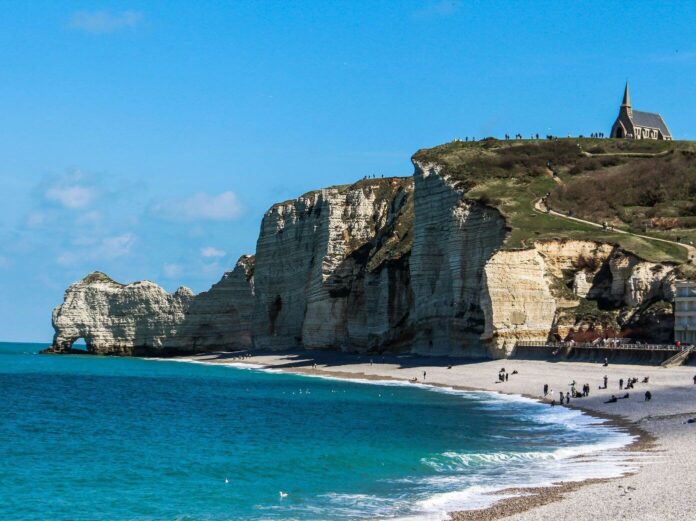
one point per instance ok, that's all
(634, 124)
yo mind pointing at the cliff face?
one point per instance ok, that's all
(143, 319)
(332, 267)
(564, 289)
(453, 241)
(397, 265)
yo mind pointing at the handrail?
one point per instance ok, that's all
(589, 345)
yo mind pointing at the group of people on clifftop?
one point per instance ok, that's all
(533, 136)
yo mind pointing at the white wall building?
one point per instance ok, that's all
(685, 312)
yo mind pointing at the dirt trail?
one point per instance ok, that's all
(541, 207)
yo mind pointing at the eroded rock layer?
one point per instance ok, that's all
(143, 319)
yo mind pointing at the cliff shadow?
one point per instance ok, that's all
(335, 359)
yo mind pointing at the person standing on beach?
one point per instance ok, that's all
(546, 389)
(561, 400)
(620, 383)
(567, 398)
(423, 375)
(507, 376)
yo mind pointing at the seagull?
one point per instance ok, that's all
(283, 494)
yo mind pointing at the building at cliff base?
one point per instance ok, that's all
(635, 124)
(685, 312)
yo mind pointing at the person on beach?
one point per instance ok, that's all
(561, 399)
(606, 381)
(613, 399)
(546, 389)
(648, 396)
(506, 377)
(695, 379)
(606, 361)
(620, 383)
(567, 398)
(423, 375)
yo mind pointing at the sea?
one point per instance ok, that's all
(102, 438)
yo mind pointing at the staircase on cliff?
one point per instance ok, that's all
(679, 359)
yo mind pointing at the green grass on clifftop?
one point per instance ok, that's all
(512, 175)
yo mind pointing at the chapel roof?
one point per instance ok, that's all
(650, 120)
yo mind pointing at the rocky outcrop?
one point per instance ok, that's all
(562, 289)
(517, 301)
(634, 281)
(143, 319)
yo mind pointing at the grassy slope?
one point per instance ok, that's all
(512, 175)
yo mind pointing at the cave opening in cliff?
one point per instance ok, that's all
(79, 346)
(273, 312)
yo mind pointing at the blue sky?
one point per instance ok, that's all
(146, 139)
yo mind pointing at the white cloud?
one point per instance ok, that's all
(35, 219)
(211, 251)
(212, 269)
(102, 22)
(71, 196)
(116, 246)
(67, 258)
(87, 218)
(201, 206)
(107, 248)
(172, 271)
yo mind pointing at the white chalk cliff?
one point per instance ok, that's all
(143, 319)
(384, 265)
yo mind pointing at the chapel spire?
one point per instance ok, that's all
(626, 98)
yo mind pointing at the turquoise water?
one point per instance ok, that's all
(92, 438)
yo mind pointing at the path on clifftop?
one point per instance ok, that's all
(541, 207)
(625, 154)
